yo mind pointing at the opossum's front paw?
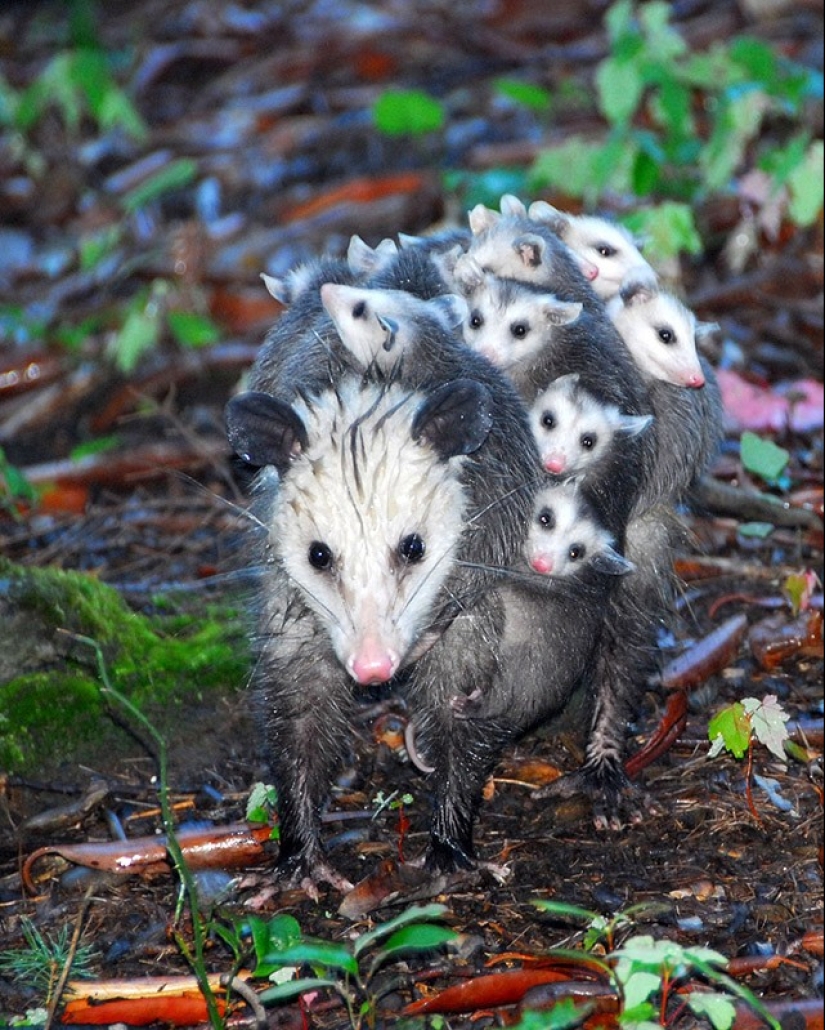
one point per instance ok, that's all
(444, 855)
(615, 800)
(308, 872)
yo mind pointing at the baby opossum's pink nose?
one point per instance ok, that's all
(554, 463)
(372, 663)
(542, 563)
(695, 381)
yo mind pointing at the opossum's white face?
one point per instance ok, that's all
(367, 525)
(573, 430)
(563, 538)
(511, 325)
(604, 251)
(660, 333)
(378, 325)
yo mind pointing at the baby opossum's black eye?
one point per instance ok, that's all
(576, 552)
(519, 330)
(666, 334)
(588, 441)
(547, 518)
(606, 250)
(360, 309)
(411, 548)
(548, 420)
(476, 321)
(319, 556)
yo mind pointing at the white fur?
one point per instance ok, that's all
(361, 486)
(378, 325)
(660, 332)
(573, 430)
(563, 538)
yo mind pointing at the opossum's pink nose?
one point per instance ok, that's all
(555, 463)
(695, 381)
(589, 270)
(373, 663)
(542, 563)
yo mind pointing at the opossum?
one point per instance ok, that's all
(302, 350)
(365, 260)
(422, 266)
(573, 430)
(565, 535)
(660, 332)
(604, 250)
(372, 508)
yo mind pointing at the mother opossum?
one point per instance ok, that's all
(394, 508)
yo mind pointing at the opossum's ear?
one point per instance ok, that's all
(446, 263)
(530, 248)
(612, 563)
(569, 379)
(455, 418)
(703, 329)
(264, 430)
(366, 260)
(559, 312)
(451, 309)
(406, 240)
(481, 218)
(510, 205)
(632, 425)
(639, 286)
(555, 220)
(278, 288)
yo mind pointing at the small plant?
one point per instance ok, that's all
(282, 951)
(646, 973)
(40, 964)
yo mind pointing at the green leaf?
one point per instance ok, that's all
(762, 457)
(717, 1008)
(663, 42)
(639, 986)
(98, 446)
(191, 329)
(737, 122)
(756, 530)
(410, 915)
(526, 93)
(565, 1013)
(570, 167)
(768, 720)
(175, 175)
(620, 86)
(412, 112)
(313, 953)
(561, 908)
(294, 987)
(805, 184)
(138, 335)
(13, 482)
(118, 111)
(668, 230)
(730, 728)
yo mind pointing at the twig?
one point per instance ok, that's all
(67, 965)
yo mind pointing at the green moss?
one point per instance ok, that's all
(50, 702)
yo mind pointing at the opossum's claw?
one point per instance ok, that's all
(309, 872)
(616, 801)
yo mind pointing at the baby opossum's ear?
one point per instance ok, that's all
(447, 262)
(559, 312)
(366, 260)
(510, 205)
(612, 563)
(639, 286)
(632, 425)
(481, 218)
(278, 288)
(263, 430)
(555, 220)
(452, 310)
(455, 418)
(467, 274)
(530, 248)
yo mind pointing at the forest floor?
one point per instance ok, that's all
(262, 114)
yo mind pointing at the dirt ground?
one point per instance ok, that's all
(268, 99)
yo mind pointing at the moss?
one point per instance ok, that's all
(50, 700)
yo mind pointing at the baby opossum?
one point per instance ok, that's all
(604, 250)
(565, 535)
(573, 429)
(660, 332)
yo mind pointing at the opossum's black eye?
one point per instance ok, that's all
(547, 518)
(476, 321)
(548, 420)
(666, 334)
(360, 309)
(319, 556)
(576, 552)
(519, 330)
(411, 548)
(588, 441)
(606, 250)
